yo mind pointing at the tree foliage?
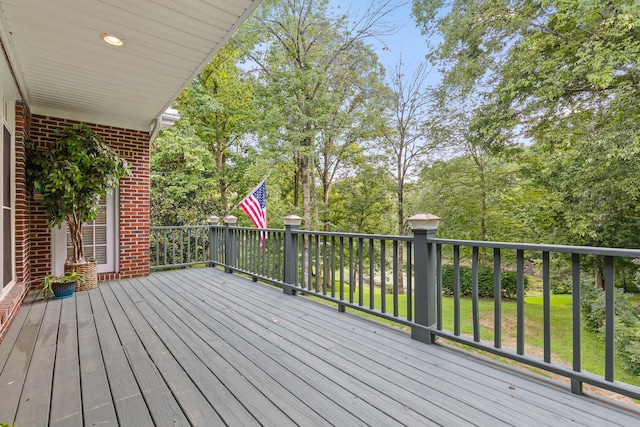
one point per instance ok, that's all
(218, 108)
(564, 76)
(315, 71)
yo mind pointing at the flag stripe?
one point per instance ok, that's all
(255, 205)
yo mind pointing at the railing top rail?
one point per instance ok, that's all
(270, 230)
(176, 227)
(355, 235)
(586, 250)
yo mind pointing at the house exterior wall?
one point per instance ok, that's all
(134, 203)
(11, 301)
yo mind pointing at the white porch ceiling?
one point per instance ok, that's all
(65, 69)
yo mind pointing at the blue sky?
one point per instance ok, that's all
(407, 41)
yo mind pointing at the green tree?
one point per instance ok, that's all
(183, 183)
(363, 202)
(564, 75)
(310, 62)
(404, 137)
(218, 107)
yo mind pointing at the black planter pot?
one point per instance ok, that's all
(63, 290)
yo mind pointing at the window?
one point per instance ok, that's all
(7, 210)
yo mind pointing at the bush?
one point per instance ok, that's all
(561, 287)
(485, 282)
(626, 326)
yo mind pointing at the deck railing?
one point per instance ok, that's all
(399, 278)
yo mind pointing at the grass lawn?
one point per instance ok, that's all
(592, 347)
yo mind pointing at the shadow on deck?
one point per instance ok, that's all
(201, 347)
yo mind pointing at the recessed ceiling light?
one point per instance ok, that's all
(112, 40)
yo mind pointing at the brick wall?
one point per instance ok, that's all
(13, 299)
(23, 199)
(134, 204)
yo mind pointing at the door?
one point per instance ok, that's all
(99, 238)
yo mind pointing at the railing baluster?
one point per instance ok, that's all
(360, 273)
(456, 290)
(318, 267)
(157, 248)
(609, 337)
(546, 304)
(576, 385)
(310, 264)
(188, 244)
(475, 295)
(395, 278)
(341, 268)
(497, 299)
(520, 301)
(372, 275)
(439, 286)
(166, 255)
(333, 266)
(409, 281)
(383, 276)
(173, 246)
(351, 271)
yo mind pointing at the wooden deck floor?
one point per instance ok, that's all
(201, 347)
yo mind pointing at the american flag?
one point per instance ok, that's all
(255, 205)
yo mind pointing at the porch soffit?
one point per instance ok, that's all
(64, 68)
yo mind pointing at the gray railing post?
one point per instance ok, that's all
(229, 243)
(424, 228)
(213, 240)
(291, 223)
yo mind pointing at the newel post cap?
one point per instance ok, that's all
(213, 219)
(424, 221)
(292, 220)
(230, 219)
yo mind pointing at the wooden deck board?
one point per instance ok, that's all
(300, 377)
(130, 406)
(187, 347)
(411, 366)
(498, 391)
(185, 394)
(201, 347)
(253, 368)
(66, 397)
(363, 393)
(97, 404)
(34, 401)
(15, 369)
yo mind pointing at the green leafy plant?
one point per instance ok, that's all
(68, 277)
(485, 282)
(626, 323)
(72, 175)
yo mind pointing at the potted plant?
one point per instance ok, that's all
(70, 177)
(62, 286)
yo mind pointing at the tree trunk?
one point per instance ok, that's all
(599, 276)
(400, 272)
(75, 230)
(306, 203)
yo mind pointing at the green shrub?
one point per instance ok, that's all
(560, 287)
(626, 325)
(485, 282)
